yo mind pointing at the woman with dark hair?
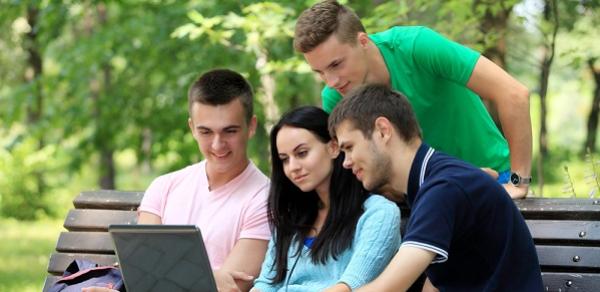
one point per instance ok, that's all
(327, 230)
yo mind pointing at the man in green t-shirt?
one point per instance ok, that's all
(444, 81)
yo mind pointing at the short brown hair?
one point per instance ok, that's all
(221, 86)
(367, 103)
(323, 19)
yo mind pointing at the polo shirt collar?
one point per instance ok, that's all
(417, 171)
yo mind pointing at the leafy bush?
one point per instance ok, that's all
(21, 167)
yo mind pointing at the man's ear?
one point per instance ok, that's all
(252, 127)
(333, 148)
(191, 125)
(383, 129)
(362, 39)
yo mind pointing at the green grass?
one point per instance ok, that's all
(25, 247)
(557, 182)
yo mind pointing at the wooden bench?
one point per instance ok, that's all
(566, 233)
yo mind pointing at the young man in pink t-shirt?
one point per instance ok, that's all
(225, 195)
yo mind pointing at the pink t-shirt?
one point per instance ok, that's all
(233, 211)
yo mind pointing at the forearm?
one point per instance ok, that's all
(516, 124)
(246, 257)
(404, 269)
(376, 242)
(263, 282)
(511, 98)
(148, 218)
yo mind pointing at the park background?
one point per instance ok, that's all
(93, 93)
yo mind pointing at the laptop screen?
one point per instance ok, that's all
(162, 258)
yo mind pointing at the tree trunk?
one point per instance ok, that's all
(34, 67)
(107, 165)
(495, 24)
(267, 81)
(550, 14)
(543, 139)
(33, 75)
(592, 123)
(146, 150)
(107, 169)
(544, 76)
(105, 147)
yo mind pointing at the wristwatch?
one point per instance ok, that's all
(518, 180)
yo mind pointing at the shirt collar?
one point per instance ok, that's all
(417, 171)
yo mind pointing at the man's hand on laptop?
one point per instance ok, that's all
(226, 280)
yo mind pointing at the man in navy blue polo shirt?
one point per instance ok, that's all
(464, 231)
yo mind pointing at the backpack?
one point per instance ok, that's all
(83, 273)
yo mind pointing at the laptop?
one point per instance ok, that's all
(162, 258)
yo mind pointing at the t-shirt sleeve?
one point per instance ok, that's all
(376, 241)
(155, 196)
(441, 209)
(256, 224)
(443, 57)
(329, 98)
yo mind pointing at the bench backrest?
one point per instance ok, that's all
(566, 233)
(87, 234)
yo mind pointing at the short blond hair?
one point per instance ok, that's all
(317, 23)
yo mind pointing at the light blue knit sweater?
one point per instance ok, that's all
(376, 241)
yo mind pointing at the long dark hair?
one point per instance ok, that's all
(292, 212)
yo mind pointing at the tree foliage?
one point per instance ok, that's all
(115, 75)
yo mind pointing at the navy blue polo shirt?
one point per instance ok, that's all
(468, 220)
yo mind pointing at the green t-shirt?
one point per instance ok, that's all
(432, 72)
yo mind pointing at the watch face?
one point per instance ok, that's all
(514, 179)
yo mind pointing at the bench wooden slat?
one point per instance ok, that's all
(97, 220)
(108, 199)
(60, 261)
(85, 242)
(563, 209)
(582, 232)
(571, 282)
(579, 257)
